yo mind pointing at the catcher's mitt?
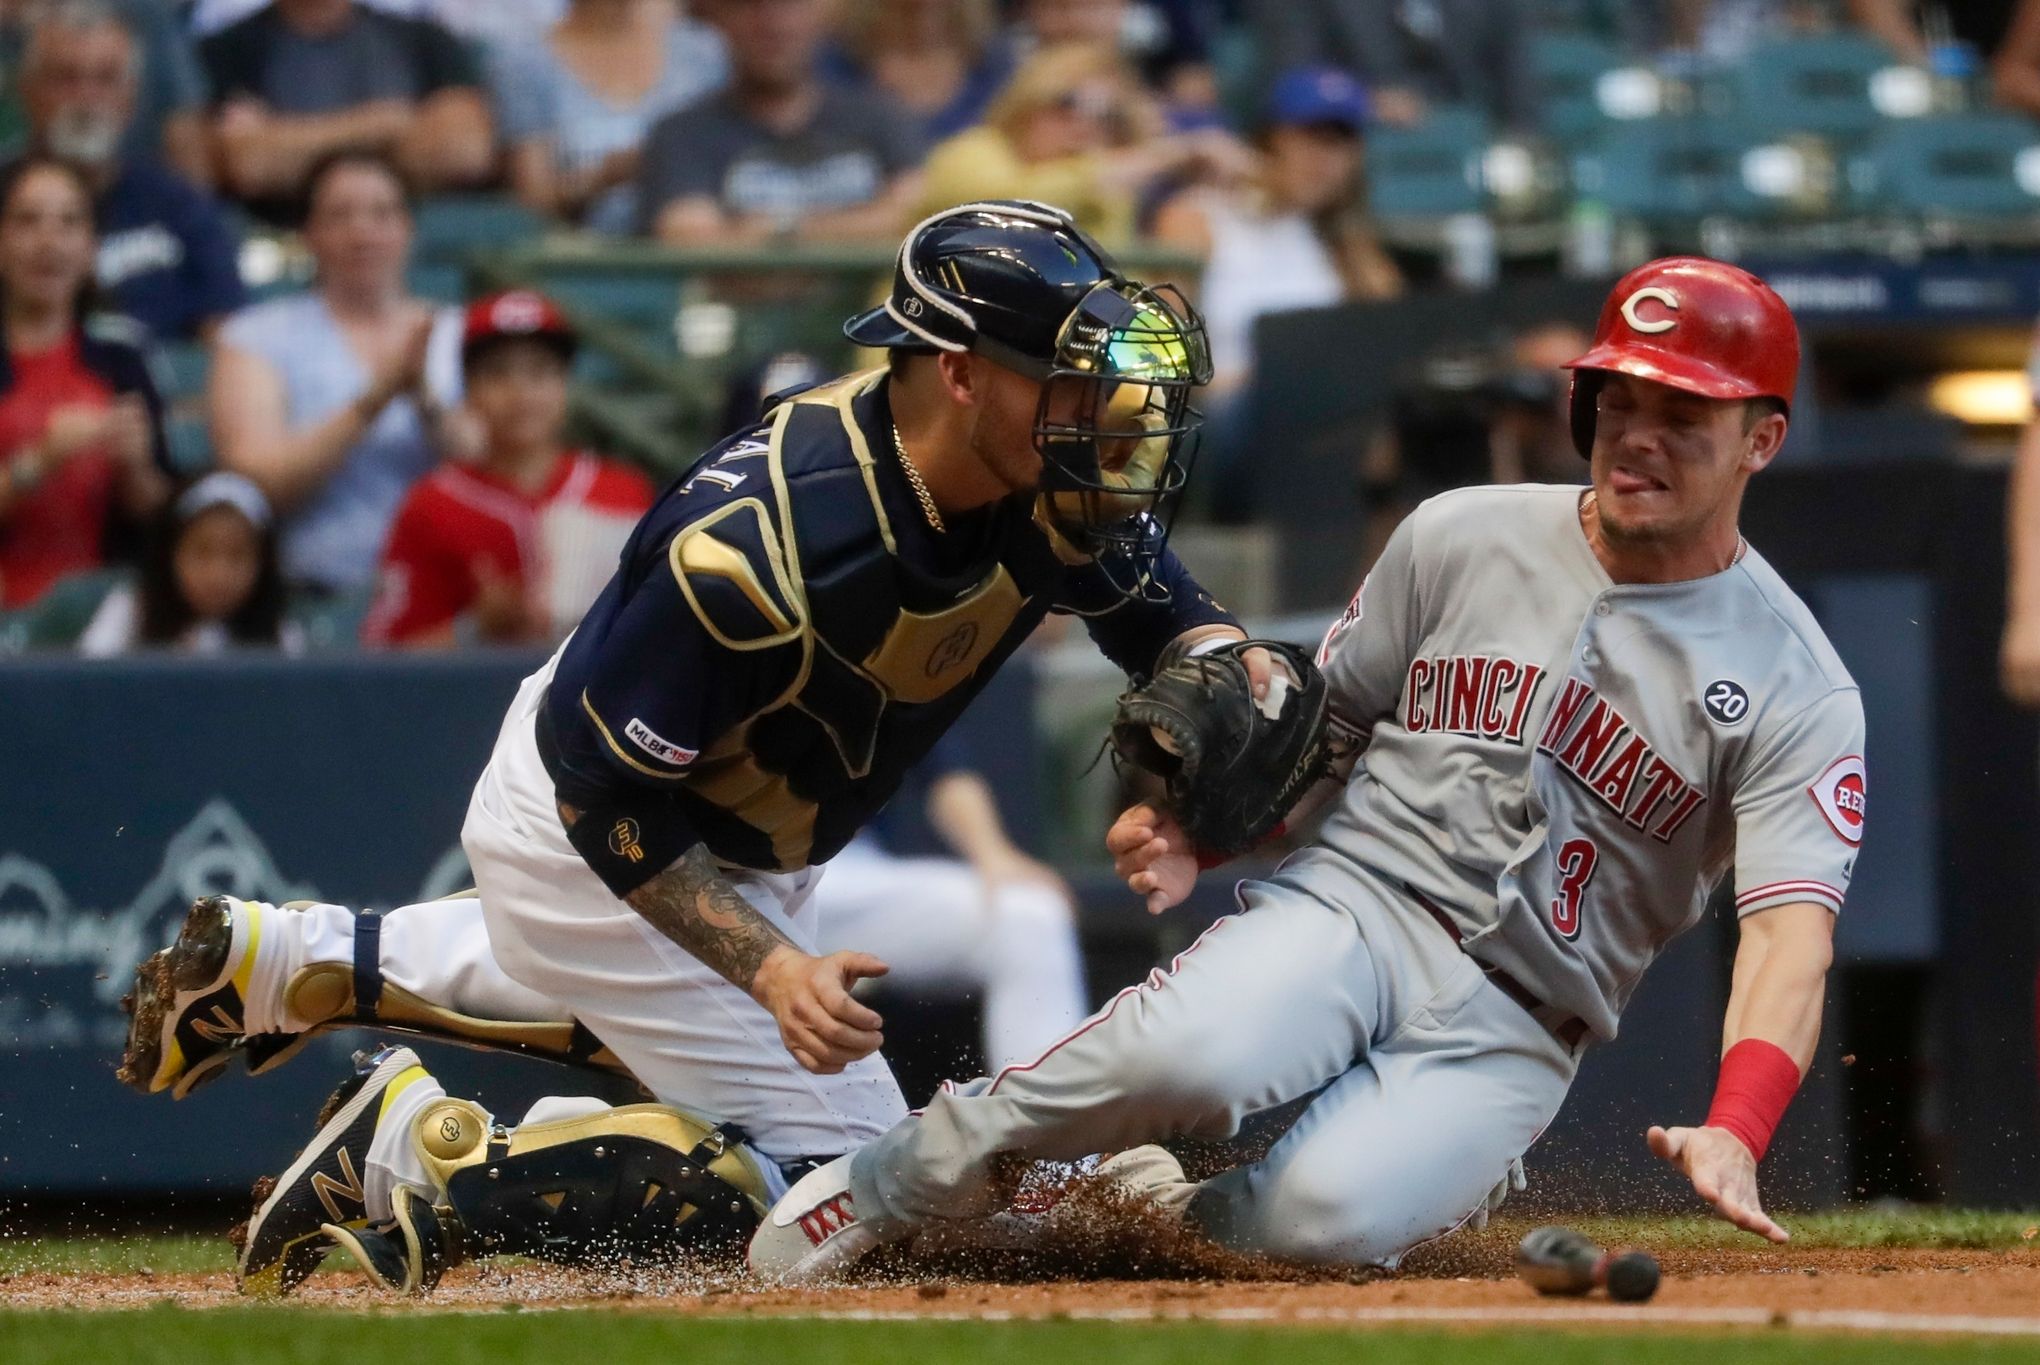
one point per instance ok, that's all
(1233, 766)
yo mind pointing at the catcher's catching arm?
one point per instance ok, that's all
(1237, 758)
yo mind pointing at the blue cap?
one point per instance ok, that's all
(1319, 94)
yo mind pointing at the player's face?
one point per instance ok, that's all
(518, 391)
(1667, 463)
(1003, 433)
(217, 560)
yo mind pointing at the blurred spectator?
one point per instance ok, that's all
(513, 546)
(209, 580)
(1412, 54)
(1073, 129)
(1298, 234)
(487, 22)
(167, 256)
(2015, 61)
(332, 400)
(941, 61)
(81, 433)
(1530, 437)
(1167, 41)
(300, 78)
(575, 103)
(779, 154)
(167, 117)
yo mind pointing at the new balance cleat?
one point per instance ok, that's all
(326, 1187)
(408, 1252)
(187, 1014)
(813, 1235)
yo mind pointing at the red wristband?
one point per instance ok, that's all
(1757, 1081)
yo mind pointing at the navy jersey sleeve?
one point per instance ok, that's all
(1133, 633)
(709, 636)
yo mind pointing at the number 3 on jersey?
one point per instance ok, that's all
(1577, 859)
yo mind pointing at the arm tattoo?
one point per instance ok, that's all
(693, 904)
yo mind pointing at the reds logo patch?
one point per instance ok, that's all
(1841, 795)
(1341, 626)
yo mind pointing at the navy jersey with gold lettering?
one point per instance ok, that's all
(786, 636)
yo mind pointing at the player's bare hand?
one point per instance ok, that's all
(2019, 659)
(1152, 854)
(1723, 1173)
(820, 1024)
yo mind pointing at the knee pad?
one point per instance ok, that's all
(643, 1182)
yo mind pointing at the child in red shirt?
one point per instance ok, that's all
(513, 546)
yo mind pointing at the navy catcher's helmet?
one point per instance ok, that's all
(1021, 284)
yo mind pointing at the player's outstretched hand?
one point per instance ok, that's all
(820, 1024)
(1153, 854)
(1723, 1173)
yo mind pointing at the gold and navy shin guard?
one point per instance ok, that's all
(642, 1182)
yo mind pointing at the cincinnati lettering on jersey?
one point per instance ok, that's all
(1589, 739)
(1470, 694)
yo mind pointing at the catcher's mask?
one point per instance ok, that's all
(1021, 284)
(1114, 425)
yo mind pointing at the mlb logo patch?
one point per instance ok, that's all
(642, 735)
(1840, 793)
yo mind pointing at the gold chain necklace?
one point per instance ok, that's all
(919, 485)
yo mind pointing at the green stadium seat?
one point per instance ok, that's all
(1977, 166)
(450, 227)
(181, 369)
(1568, 68)
(1817, 85)
(331, 624)
(190, 444)
(1429, 171)
(437, 281)
(1670, 171)
(57, 618)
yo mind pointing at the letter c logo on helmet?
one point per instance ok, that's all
(1664, 297)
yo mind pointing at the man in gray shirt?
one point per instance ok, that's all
(300, 78)
(779, 154)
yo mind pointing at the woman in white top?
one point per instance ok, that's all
(332, 400)
(1297, 235)
(209, 580)
(575, 101)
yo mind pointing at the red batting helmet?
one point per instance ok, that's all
(1692, 323)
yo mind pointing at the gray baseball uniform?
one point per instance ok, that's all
(1558, 770)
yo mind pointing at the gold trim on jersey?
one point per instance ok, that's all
(840, 395)
(926, 654)
(695, 551)
(609, 739)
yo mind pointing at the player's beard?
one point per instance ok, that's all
(1007, 449)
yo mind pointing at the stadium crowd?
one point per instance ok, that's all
(408, 459)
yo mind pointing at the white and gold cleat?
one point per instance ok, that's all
(187, 1014)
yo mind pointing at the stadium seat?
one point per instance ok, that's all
(1568, 68)
(331, 623)
(181, 369)
(1978, 166)
(1815, 85)
(190, 444)
(57, 618)
(1670, 170)
(1429, 171)
(451, 226)
(437, 281)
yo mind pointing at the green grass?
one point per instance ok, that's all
(1929, 1229)
(284, 1337)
